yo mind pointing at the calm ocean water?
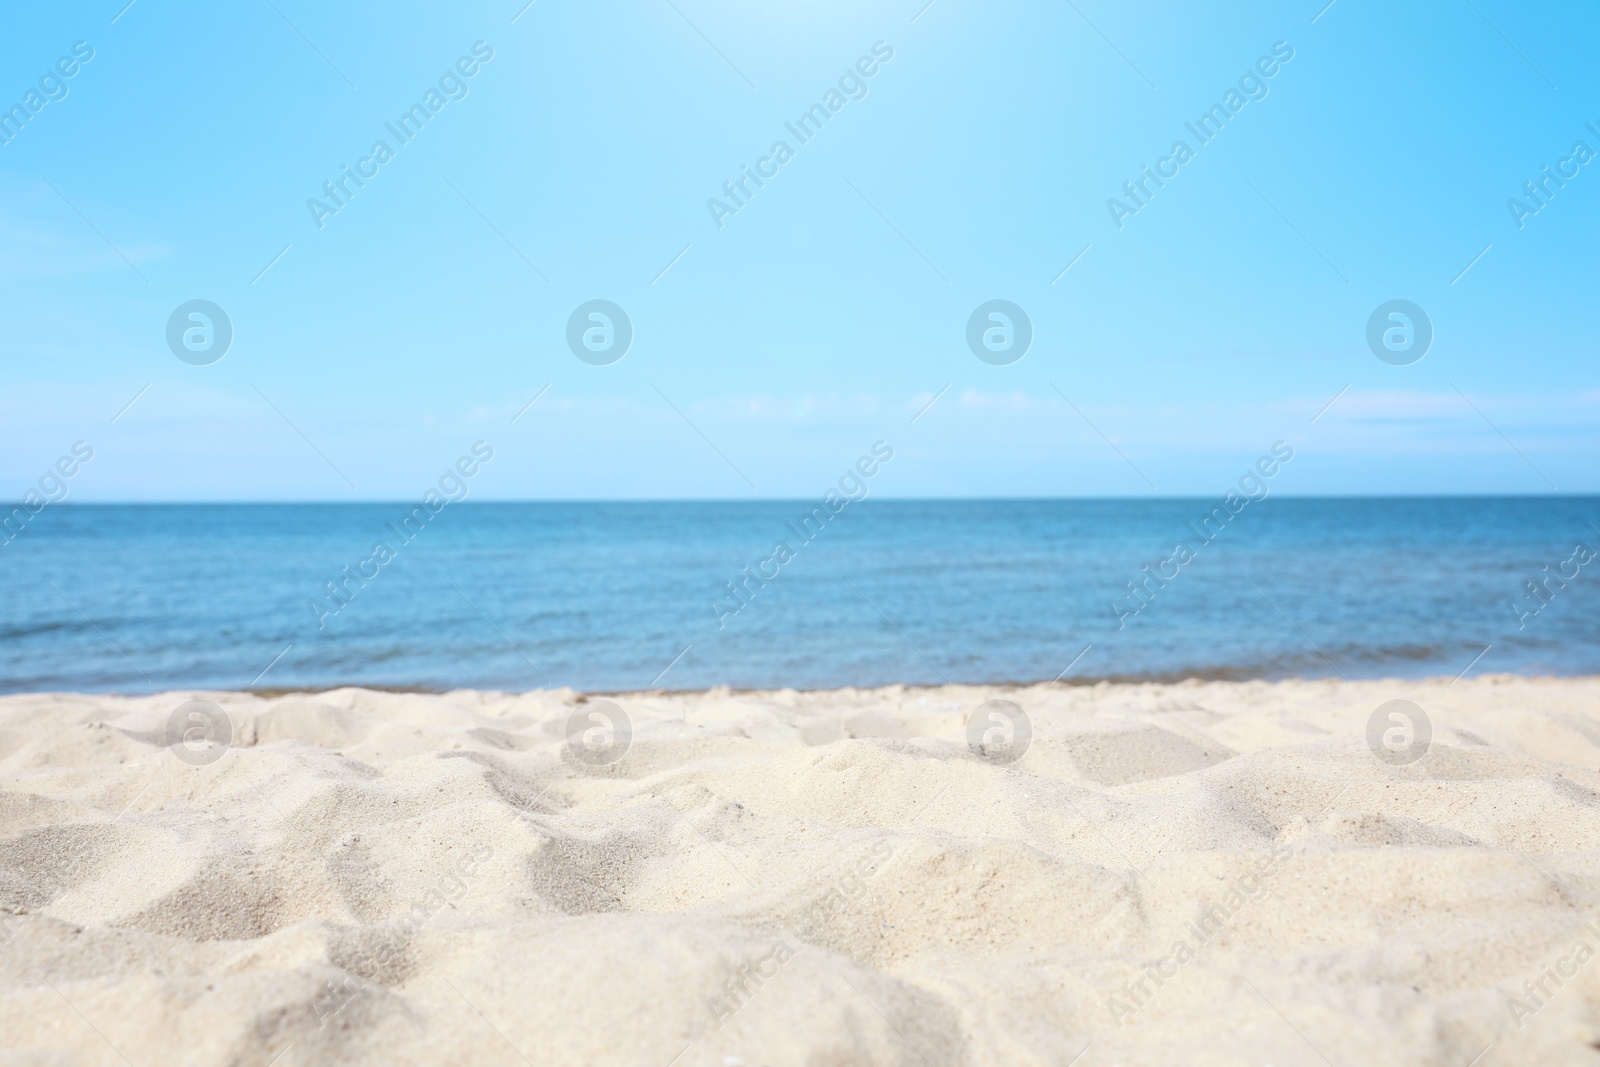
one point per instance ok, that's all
(602, 596)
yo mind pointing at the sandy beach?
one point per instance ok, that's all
(1132, 874)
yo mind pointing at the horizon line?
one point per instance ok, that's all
(1130, 498)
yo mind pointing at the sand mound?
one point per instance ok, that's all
(1200, 873)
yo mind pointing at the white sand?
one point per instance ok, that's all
(895, 899)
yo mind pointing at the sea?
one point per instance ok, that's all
(617, 597)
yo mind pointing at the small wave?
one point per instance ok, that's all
(16, 632)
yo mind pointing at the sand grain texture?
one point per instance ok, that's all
(378, 878)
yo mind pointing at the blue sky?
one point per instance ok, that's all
(833, 306)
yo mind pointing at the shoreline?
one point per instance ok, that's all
(1175, 679)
